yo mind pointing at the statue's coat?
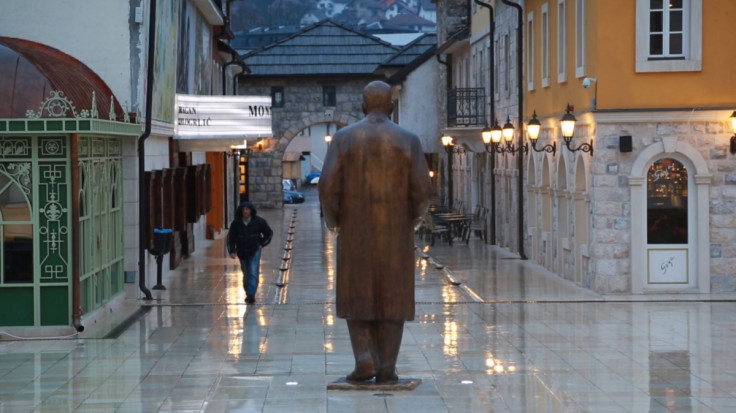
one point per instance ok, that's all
(373, 188)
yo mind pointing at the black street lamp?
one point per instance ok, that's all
(328, 136)
(567, 124)
(449, 148)
(532, 129)
(492, 139)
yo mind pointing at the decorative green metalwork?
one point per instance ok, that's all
(35, 210)
(59, 106)
(97, 126)
(101, 220)
(15, 148)
(53, 218)
(114, 147)
(21, 172)
(52, 147)
(83, 148)
(98, 147)
(16, 232)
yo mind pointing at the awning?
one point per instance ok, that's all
(215, 123)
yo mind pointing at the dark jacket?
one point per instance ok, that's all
(245, 239)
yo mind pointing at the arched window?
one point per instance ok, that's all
(667, 221)
(16, 232)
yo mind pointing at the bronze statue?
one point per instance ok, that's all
(374, 187)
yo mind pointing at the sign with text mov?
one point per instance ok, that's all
(202, 117)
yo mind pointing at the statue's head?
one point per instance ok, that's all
(377, 98)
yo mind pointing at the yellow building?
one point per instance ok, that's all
(640, 196)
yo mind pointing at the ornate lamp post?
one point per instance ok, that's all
(447, 143)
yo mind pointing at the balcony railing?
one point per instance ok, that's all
(466, 107)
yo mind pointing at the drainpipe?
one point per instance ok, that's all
(233, 61)
(76, 301)
(448, 67)
(224, 92)
(142, 196)
(520, 158)
(492, 97)
(448, 80)
(245, 71)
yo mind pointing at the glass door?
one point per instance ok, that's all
(670, 232)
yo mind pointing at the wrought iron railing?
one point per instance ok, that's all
(466, 107)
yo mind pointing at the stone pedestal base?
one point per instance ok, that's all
(403, 384)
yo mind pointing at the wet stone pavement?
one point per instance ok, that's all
(492, 334)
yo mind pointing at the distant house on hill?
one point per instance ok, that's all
(330, 8)
(367, 13)
(412, 22)
(428, 10)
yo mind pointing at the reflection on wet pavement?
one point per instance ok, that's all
(532, 343)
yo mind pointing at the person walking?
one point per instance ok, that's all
(374, 188)
(247, 235)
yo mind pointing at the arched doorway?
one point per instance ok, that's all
(531, 203)
(305, 152)
(563, 219)
(670, 186)
(669, 224)
(546, 190)
(581, 204)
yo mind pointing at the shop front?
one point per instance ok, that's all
(229, 130)
(62, 140)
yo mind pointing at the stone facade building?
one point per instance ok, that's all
(84, 153)
(319, 85)
(637, 199)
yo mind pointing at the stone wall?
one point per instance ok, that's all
(302, 108)
(602, 188)
(452, 15)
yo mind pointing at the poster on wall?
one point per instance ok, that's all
(164, 85)
(183, 84)
(668, 266)
(194, 60)
(203, 61)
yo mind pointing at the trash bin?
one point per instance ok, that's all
(161, 245)
(161, 241)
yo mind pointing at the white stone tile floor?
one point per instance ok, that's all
(511, 338)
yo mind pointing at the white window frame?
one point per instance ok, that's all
(692, 40)
(580, 33)
(531, 51)
(545, 45)
(561, 41)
